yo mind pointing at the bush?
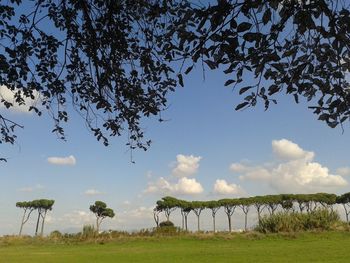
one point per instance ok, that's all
(89, 231)
(320, 219)
(55, 235)
(166, 224)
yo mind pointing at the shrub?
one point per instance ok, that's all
(55, 235)
(166, 224)
(89, 231)
(319, 219)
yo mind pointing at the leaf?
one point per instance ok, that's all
(273, 89)
(278, 66)
(211, 64)
(240, 106)
(243, 27)
(296, 98)
(230, 81)
(188, 70)
(250, 37)
(332, 124)
(244, 89)
(267, 16)
(233, 23)
(323, 117)
(181, 82)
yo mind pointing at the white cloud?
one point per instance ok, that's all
(70, 160)
(92, 192)
(256, 173)
(343, 171)
(186, 165)
(288, 150)
(78, 218)
(297, 172)
(184, 185)
(238, 167)
(223, 188)
(141, 212)
(9, 96)
(188, 186)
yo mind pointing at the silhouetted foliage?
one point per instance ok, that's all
(115, 62)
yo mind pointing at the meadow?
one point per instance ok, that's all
(328, 246)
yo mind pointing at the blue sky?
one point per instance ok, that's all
(206, 150)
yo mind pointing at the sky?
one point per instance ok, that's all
(205, 150)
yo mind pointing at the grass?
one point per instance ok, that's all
(250, 247)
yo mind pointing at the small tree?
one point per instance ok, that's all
(185, 209)
(272, 202)
(27, 210)
(156, 212)
(42, 205)
(229, 208)
(244, 204)
(46, 205)
(344, 200)
(197, 207)
(101, 211)
(259, 204)
(214, 206)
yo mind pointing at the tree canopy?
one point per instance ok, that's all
(101, 211)
(115, 62)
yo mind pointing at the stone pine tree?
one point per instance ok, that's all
(214, 206)
(46, 205)
(101, 212)
(344, 200)
(229, 206)
(42, 206)
(198, 207)
(27, 210)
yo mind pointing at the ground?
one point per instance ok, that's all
(253, 247)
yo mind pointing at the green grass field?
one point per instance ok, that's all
(305, 247)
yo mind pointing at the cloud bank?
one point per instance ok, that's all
(295, 170)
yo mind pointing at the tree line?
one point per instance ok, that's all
(42, 206)
(270, 203)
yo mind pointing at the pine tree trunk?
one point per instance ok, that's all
(37, 223)
(214, 228)
(42, 223)
(198, 223)
(21, 228)
(97, 226)
(229, 223)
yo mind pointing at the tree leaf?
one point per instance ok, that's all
(181, 82)
(243, 27)
(244, 89)
(267, 16)
(188, 70)
(230, 81)
(242, 105)
(211, 64)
